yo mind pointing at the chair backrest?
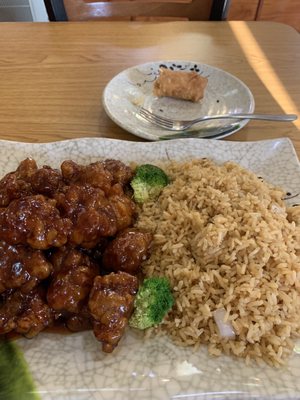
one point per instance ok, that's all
(83, 10)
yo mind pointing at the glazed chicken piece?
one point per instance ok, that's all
(72, 280)
(120, 172)
(17, 184)
(92, 214)
(27, 314)
(12, 306)
(94, 175)
(111, 304)
(34, 221)
(127, 251)
(46, 181)
(36, 317)
(122, 205)
(21, 267)
(28, 180)
(26, 168)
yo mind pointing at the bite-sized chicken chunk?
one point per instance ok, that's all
(91, 212)
(46, 181)
(72, 280)
(36, 317)
(21, 267)
(17, 184)
(28, 179)
(35, 221)
(26, 168)
(111, 304)
(93, 174)
(122, 205)
(127, 251)
(121, 173)
(27, 314)
(12, 305)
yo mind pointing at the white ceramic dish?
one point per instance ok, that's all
(132, 88)
(74, 368)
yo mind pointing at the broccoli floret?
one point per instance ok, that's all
(153, 300)
(148, 182)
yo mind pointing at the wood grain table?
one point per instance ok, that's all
(52, 75)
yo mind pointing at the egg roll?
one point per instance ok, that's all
(180, 85)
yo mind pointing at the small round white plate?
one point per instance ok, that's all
(132, 89)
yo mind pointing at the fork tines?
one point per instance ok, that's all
(155, 119)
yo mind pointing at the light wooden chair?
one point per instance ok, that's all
(147, 10)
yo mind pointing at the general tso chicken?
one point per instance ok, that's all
(69, 254)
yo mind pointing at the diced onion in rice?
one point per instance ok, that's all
(225, 328)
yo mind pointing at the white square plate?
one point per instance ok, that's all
(73, 367)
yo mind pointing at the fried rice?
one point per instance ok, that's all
(226, 241)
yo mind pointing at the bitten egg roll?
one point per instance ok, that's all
(180, 84)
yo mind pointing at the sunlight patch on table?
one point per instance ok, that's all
(264, 71)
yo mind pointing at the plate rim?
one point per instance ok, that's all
(167, 143)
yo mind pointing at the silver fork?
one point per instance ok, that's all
(178, 125)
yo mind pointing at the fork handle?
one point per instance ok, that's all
(266, 117)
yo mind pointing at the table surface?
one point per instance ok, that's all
(52, 75)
